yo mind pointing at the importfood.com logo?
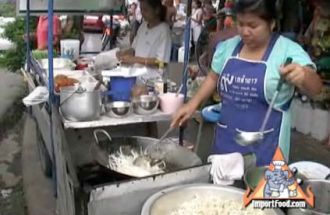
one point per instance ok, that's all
(278, 188)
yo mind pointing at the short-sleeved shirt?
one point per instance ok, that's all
(282, 49)
(153, 42)
(42, 30)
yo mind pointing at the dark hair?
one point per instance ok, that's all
(265, 9)
(157, 5)
(198, 3)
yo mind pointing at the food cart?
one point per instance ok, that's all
(65, 145)
(81, 187)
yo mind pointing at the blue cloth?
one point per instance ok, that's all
(212, 113)
(267, 83)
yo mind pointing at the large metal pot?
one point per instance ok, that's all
(79, 105)
(168, 200)
(321, 190)
(175, 156)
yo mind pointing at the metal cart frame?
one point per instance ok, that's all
(65, 144)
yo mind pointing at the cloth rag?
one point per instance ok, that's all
(226, 168)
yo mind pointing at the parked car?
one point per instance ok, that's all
(93, 23)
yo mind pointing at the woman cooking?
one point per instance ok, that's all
(246, 70)
(152, 43)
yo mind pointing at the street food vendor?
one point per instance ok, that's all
(246, 70)
(152, 44)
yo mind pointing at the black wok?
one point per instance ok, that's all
(175, 156)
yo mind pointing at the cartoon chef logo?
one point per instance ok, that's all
(279, 184)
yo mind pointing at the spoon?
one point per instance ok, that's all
(179, 90)
(245, 138)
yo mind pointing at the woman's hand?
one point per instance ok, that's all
(184, 113)
(294, 74)
(127, 59)
(303, 77)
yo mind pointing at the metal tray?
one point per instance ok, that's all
(165, 201)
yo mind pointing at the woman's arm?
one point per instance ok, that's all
(129, 59)
(204, 92)
(304, 78)
(125, 52)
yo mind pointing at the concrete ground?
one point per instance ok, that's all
(38, 189)
(12, 89)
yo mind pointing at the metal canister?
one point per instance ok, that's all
(159, 86)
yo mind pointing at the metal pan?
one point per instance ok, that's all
(175, 156)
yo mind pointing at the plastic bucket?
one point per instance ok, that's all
(120, 88)
(170, 102)
(70, 49)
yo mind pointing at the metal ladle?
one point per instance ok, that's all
(141, 160)
(245, 138)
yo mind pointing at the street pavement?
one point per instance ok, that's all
(12, 89)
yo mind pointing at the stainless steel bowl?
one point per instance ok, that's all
(145, 104)
(321, 190)
(119, 109)
(169, 199)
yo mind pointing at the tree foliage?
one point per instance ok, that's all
(14, 59)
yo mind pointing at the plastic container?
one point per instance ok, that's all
(304, 121)
(170, 102)
(181, 54)
(297, 115)
(120, 88)
(70, 49)
(294, 108)
(320, 124)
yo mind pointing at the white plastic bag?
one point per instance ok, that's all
(39, 95)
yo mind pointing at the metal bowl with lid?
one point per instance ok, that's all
(145, 104)
(168, 200)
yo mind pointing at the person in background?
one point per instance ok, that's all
(42, 32)
(246, 70)
(206, 2)
(208, 30)
(135, 19)
(291, 22)
(196, 23)
(73, 29)
(317, 36)
(170, 12)
(152, 43)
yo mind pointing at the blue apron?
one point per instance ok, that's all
(241, 87)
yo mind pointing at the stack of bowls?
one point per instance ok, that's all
(145, 104)
(119, 109)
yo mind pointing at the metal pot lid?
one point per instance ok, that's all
(311, 170)
(168, 200)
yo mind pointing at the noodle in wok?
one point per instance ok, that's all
(124, 163)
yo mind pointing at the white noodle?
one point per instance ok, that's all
(212, 205)
(125, 164)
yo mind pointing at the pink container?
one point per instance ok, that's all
(170, 102)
